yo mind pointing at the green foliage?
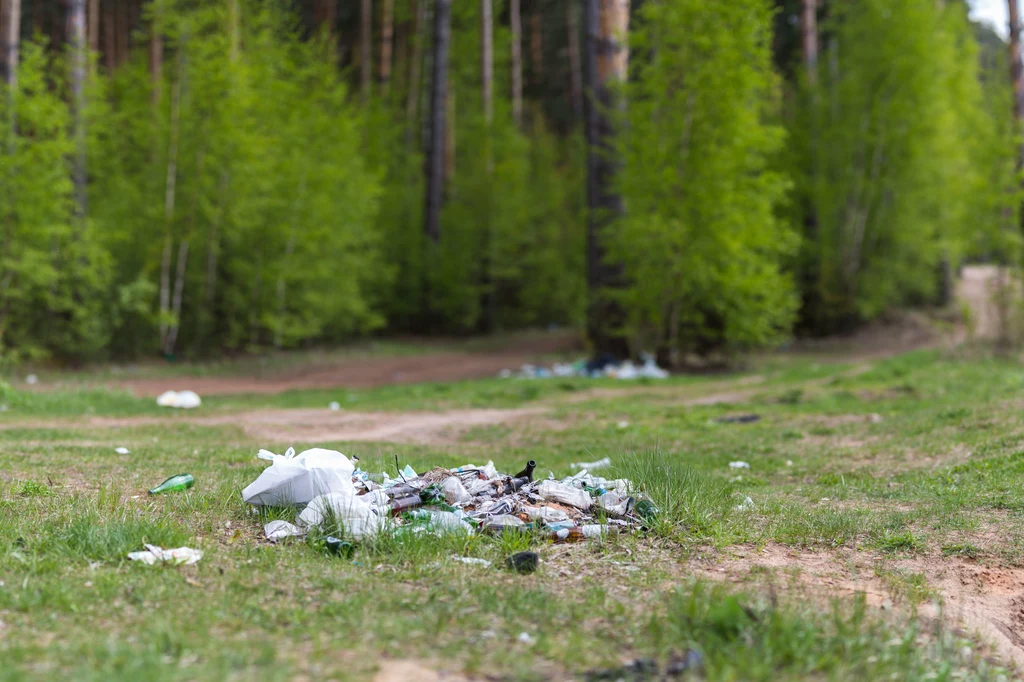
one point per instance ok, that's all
(53, 270)
(700, 242)
(903, 164)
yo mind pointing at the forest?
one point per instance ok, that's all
(187, 178)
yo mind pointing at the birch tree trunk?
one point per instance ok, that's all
(607, 23)
(79, 60)
(169, 197)
(435, 160)
(11, 43)
(515, 17)
(1016, 74)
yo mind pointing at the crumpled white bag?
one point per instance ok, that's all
(356, 515)
(180, 555)
(185, 400)
(566, 494)
(291, 479)
(279, 530)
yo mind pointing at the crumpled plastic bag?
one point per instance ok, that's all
(357, 517)
(181, 555)
(566, 494)
(279, 530)
(185, 400)
(545, 514)
(297, 479)
(454, 491)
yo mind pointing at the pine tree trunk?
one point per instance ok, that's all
(386, 36)
(123, 32)
(156, 58)
(809, 38)
(449, 140)
(575, 67)
(487, 91)
(435, 160)
(109, 37)
(415, 65)
(536, 45)
(94, 25)
(79, 60)
(607, 22)
(515, 17)
(11, 42)
(365, 47)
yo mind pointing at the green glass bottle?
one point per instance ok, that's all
(174, 484)
(646, 509)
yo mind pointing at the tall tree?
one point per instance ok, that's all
(94, 25)
(387, 20)
(415, 67)
(1017, 74)
(156, 55)
(79, 58)
(575, 67)
(516, 21)
(10, 42)
(536, 44)
(487, 60)
(435, 158)
(607, 24)
(365, 46)
(809, 38)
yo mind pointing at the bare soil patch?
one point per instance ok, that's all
(365, 372)
(985, 600)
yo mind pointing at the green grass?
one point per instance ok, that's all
(912, 458)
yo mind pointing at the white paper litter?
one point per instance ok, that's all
(279, 530)
(31, 380)
(738, 465)
(181, 555)
(185, 400)
(472, 561)
(122, 451)
(746, 505)
(334, 406)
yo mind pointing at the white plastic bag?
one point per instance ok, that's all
(279, 530)
(557, 492)
(545, 514)
(182, 399)
(354, 514)
(292, 479)
(180, 555)
(454, 491)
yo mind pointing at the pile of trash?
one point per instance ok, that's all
(605, 366)
(332, 493)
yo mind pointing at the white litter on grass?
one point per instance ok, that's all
(599, 464)
(472, 561)
(334, 406)
(3, 408)
(181, 555)
(31, 380)
(738, 465)
(747, 504)
(526, 638)
(185, 400)
(623, 425)
(789, 462)
(122, 451)
(279, 530)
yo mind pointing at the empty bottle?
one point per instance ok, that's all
(527, 472)
(646, 509)
(174, 484)
(581, 533)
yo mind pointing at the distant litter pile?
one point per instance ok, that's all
(335, 496)
(604, 366)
